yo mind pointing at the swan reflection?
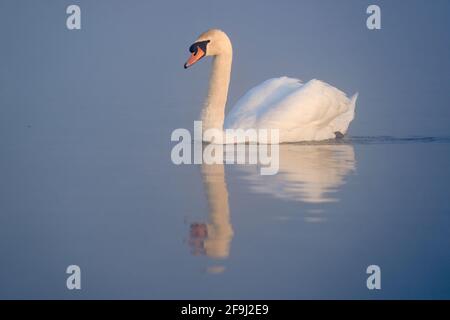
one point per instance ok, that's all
(307, 173)
(214, 237)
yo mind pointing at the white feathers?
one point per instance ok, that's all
(301, 112)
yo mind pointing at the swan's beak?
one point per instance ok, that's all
(195, 56)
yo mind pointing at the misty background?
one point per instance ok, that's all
(128, 60)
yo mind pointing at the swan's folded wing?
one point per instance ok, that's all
(313, 111)
(316, 103)
(256, 102)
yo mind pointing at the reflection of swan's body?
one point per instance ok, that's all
(301, 112)
(307, 173)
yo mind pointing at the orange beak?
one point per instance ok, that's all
(195, 56)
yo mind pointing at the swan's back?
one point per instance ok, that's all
(301, 112)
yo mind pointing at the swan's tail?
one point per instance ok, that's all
(353, 106)
(341, 123)
(353, 100)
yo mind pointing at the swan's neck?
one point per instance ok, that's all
(213, 113)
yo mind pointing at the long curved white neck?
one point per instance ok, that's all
(213, 113)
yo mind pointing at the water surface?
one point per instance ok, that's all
(141, 227)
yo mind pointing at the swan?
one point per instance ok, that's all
(301, 112)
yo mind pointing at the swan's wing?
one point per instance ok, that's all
(314, 104)
(313, 111)
(258, 100)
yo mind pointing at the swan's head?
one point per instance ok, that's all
(213, 42)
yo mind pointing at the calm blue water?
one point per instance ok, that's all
(141, 227)
(86, 176)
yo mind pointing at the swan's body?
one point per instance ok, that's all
(301, 112)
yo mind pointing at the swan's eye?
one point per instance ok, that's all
(193, 48)
(201, 44)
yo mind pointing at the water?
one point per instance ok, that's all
(86, 176)
(141, 227)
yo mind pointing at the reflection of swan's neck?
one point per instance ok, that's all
(213, 113)
(220, 231)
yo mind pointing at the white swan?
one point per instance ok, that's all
(301, 112)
